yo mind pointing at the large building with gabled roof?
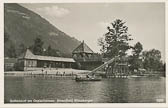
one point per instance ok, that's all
(29, 61)
(82, 56)
(85, 57)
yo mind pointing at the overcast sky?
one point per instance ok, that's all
(88, 21)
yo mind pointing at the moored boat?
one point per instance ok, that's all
(88, 78)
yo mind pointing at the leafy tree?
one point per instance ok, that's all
(6, 36)
(49, 51)
(6, 44)
(12, 51)
(101, 42)
(135, 63)
(37, 47)
(151, 59)
(134, 59)
(21, 49)
(52, 52)
(115, 40)
(137, 49)
(164, 69)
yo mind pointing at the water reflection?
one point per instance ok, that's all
(108, 90)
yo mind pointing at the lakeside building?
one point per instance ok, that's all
(89, 60)
(86, 58)
(29, 61)
(83, 58)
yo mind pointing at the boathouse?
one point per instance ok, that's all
(85, 57)
(29, 61)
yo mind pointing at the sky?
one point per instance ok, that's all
(89, 21)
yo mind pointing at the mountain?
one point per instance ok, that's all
(22, 26)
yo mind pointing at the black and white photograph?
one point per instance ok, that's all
(70, 53)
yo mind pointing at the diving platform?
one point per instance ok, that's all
(116, 67)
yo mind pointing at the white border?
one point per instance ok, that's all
(116, 105)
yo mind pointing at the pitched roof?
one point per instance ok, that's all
(29, 55)
(82, 48)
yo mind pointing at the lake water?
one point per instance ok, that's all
(132, 90)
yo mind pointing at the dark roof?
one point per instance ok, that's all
(29, 55)
(83, 48)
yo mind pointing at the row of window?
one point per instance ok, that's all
(30, 63)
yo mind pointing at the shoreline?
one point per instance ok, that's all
(62, 72)
(47, 72)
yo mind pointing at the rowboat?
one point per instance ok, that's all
(88, 79)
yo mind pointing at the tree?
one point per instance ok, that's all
(115, 40)
(21, 49)
(49, 51)
(152, 59)
(52, 52)
(101, 42)
(12, 51)
(6, 44)
(134, 59)
(6, 36)
(137, 49)
(37, 47)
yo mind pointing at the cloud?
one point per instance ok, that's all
(53, 11)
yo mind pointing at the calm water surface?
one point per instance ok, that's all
(138, 90)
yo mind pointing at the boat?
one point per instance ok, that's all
(88, 78)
